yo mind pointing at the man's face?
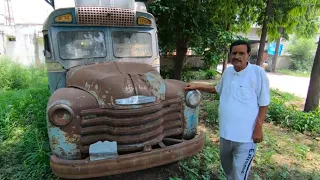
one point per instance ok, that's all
(239, 56)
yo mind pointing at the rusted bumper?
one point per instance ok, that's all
(79, 169)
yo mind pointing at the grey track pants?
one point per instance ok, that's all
(236, 158)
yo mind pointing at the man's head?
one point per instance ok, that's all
(240, 52)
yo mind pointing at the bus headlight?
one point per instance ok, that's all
(193, 98)
(61, 114)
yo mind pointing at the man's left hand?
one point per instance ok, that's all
(257, 133)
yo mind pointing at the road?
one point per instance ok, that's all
(291, 84)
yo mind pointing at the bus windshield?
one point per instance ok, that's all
(82, 44)
(131, 44)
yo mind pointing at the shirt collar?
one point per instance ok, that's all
(242, 71)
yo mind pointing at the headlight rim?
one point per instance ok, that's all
(189, 94)
(53, 109)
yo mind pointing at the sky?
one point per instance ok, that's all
(29, 11)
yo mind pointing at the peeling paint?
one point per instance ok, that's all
(143, 88)
(81, 97)
(62, 145)
(156, 85)
(100, 101)
(191, 121)
(128, 89)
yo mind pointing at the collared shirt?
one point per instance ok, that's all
(241, 95)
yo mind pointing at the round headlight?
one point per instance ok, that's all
(193, 98)
(61, 115)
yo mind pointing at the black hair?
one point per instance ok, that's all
(240, 42)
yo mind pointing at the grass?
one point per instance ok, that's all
(276, 93)
(24, 146)
(294, 73)
(284, 153)
(14, 76)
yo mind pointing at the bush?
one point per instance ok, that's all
(210, 74)
(211, 107)
(166, 72)
(14, 76)
(290, 117)
(188, 73)
(302, 54)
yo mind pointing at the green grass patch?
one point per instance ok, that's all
(276, 93)
(24, 145)
(286, 155)
(204, 165)
(294, 73)
(14, 76)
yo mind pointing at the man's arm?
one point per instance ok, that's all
(258, 133)
(263, 102)
(262, 114)
(208, 89)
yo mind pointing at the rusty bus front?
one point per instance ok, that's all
(110, 111)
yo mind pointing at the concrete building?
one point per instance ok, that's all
(25, 45)
(22, 42)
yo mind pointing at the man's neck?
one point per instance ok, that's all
(240, 68)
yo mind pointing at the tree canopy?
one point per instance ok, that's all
(288, 17)
(207, 26)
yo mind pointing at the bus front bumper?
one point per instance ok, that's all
(80, 169)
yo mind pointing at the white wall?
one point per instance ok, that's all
(23, 50)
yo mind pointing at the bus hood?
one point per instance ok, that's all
(119, 85)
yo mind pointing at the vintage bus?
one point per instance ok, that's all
(110, 111)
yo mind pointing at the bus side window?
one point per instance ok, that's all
(46, 51)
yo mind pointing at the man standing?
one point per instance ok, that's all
(244, 99)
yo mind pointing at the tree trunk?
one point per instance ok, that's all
(225, 64)
(181, 48)
(275, 57)
(264, 31)
(313, 96)
(226, 60)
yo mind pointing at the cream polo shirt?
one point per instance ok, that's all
(241, 94)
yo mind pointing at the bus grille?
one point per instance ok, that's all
(133, 129)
